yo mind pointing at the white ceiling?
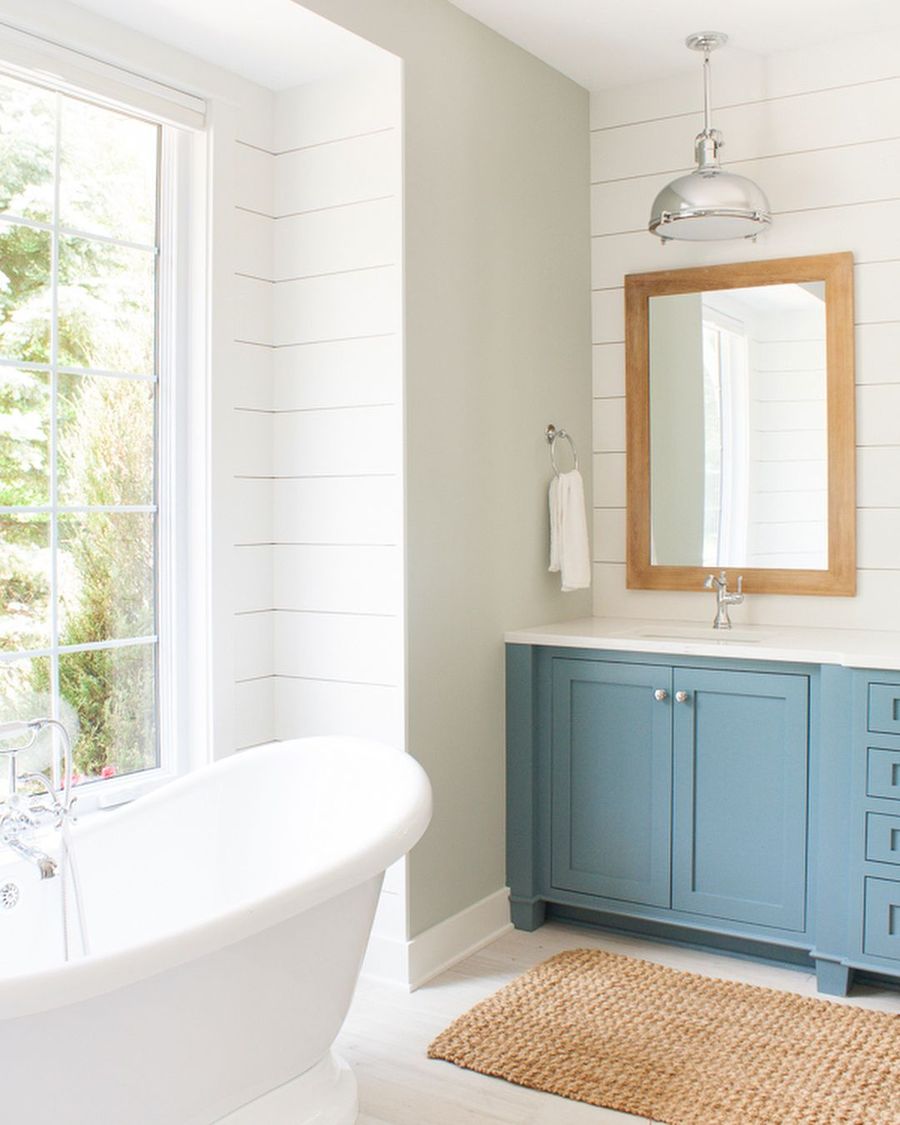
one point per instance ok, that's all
(604, 43)
(275, 43)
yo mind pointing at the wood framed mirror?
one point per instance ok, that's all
(740, 426)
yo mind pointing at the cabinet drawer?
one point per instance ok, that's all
(883, 838)
(884, 708)
(883, 773)
(882, 933)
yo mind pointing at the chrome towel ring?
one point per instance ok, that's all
(552, 434)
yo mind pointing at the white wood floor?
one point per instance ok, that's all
(388, 1030)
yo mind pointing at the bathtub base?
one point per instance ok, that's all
(324, 1095)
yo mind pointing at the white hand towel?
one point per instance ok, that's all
(569, 550)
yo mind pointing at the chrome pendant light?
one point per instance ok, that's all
(709, 203)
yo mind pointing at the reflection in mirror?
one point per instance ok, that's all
(738, 428)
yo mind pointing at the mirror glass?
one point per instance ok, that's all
(739, 428)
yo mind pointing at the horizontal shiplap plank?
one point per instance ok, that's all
(252, 578)
(787, 414)
(798, 182)
(788, 506)
(321, 707)
(360, 441)
(343, 238)
(253, 377)
(609, 535)
(801, 537)
(253, 317)
(338, 579)
(609, 425)
(754, 130)
(771, 476)
(791, 446)
(339, 373)
(609, 480)
(878, 538)
(253, 252)
(333, 510)
(253, 511)
(363, 98)
(254, 654)
(254, 712)
(878, 483)
(333, 175)
(609, 370)
(254, 179)
(253, 454)
(878, 353)
(328, 646)
(364, 303)
(878, 415)
(608, 316)
(807, 387)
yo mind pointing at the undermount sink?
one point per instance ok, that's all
(700, 633)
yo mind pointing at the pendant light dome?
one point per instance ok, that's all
(709, 203)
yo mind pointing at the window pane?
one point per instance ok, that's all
(25, 694)
(24, 293)
(24, 582)
(106, 306)
(27, 138)
(107, 173)
(113, 692)
(106, 577)
(105, 432)
(24, 437)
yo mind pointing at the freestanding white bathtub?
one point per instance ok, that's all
(227, 916)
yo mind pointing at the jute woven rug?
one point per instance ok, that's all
(680, 1048)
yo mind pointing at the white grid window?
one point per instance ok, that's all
(79, 431)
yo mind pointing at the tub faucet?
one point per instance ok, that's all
(723, 598)
(22, 814)
(13, 826)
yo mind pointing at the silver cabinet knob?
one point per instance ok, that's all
(681, 697)
(660, 695)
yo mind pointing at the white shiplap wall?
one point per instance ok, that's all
(319, 487)
(252, 598)
(820, 132)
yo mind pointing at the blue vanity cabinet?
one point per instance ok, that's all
(874, 845)
(653, 792)
(740, 796)
(611, 779)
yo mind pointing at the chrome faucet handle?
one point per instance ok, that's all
(740, 585)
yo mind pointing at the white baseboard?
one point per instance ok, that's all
(413, 963)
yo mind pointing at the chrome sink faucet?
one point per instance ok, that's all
(723, 598)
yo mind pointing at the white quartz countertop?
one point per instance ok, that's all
(852, 648)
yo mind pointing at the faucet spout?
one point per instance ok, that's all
(41, 860)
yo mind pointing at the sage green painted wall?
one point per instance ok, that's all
(498, 337)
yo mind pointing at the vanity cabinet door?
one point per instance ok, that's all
(739, 810)
(611, 748)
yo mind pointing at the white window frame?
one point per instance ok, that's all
(183, 391)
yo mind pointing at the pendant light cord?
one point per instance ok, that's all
(706, 93)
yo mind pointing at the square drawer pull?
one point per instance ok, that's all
(883, 773)
(882, 934)
(883, 838)
(884, 708)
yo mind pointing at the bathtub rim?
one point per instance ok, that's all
(32, 993)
